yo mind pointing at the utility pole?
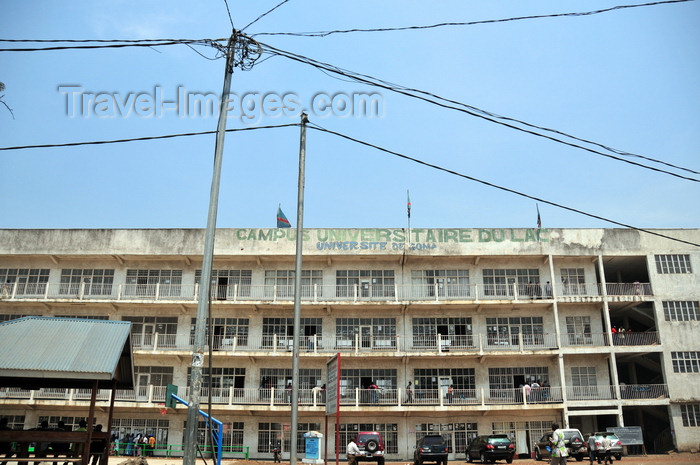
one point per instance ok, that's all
(189, 456)
(297, 291)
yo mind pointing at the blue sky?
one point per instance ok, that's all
(628, 79)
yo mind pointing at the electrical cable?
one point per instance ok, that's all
(112, 44)
(470, 23)
(462, 107)
(228, 10)
(135, 139)
(264, 14)
(358, 141)
(512, 191)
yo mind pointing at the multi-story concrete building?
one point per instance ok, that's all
(478, 312)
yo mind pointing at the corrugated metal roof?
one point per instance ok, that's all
(66, 349)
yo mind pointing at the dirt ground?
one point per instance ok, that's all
(673, 459)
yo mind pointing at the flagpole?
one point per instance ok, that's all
(408, 205)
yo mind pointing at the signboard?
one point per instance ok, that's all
(333, 385)
(629, 435)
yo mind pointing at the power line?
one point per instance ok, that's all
(135, 139)
(470, 23)
(473, 111)
(111, 44)
(264, 14)
(228, 10)
(512, 191)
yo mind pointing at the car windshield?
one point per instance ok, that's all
(571, 434)
(611, 436)
(433, 440)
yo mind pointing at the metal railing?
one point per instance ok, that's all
(358, 397)
(325, 344)
(321, 293)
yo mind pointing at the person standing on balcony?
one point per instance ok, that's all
(548, 289)
(450, 390)
(558, 444)
(288, 392)
(409, 392)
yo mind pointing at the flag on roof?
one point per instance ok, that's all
(408, 204)
(282, 221)
(539, 220)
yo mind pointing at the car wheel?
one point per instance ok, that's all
(579, 458)
(372, 445)
(482, 458)
(510, 460)
(538, 456)
(469, 458)
(380, 461)
(618, 457)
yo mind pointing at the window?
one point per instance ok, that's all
(145, 283)
(690, 413)
(221, 380)
(455, 332)
(500, 282)
(508, 378)
(364, 283)
(25, 281)
(686, 362)
(506, 331)
(144, 329)
(228, 284)
(278, 378)
(350, 379)
(584, 382)
(681, 311)
(270, 435)
(282, 329)
(94, 282)
(666, 264)
(450, 283)
(573, 281)
(464, 433)
(460, 378)
(578, 328)
(372, 333)
(225, 330)
(281, 283)
(124, 426)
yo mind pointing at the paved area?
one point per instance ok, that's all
(671, 459)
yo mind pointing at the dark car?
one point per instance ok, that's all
(490, 448)
(371, 447)
(615, 442)
(431, 448)
(573, 439)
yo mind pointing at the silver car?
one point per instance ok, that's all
(615, 450)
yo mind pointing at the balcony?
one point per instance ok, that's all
(357, 397)
(365, 292)
(433, 344)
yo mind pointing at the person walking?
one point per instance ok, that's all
(352, 452)
(558, 444)
(605, 446)
(592, 453)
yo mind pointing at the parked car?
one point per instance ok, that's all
(573, 439)
(490, 448)
(431, 448)
(615, 451)
(371, 445)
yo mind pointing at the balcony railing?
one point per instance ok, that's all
(440, 344)
(356, 397)
(321, 293)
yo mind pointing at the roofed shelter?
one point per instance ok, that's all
(72, 353)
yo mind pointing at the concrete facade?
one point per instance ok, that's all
(483, 310)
